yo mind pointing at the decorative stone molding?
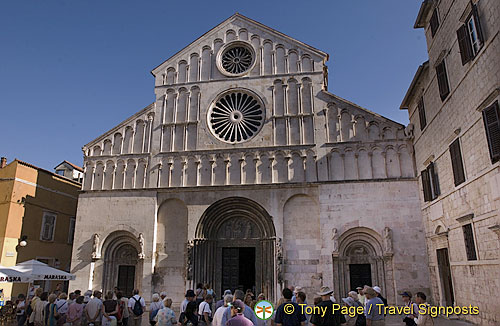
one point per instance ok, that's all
(495, 228)
(465, 218)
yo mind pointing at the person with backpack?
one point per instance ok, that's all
(413, 308)
(205, 312)
(123, 312)
(136, 307)
(52, 315)
(62, 308)
(200, 293)
(154, 307)
(190, 316)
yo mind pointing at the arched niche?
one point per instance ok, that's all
(98, 176)
(117, 143)
(171, 242)
(127, 141)
(301, 242)
(106, 147)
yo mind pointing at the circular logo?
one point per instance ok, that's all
(263, 310)
(289, 308)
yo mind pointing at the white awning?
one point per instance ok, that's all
(10, 275)
(39, 271)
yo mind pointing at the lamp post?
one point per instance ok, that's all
(22, 242)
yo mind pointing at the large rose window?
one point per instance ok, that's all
(236, 116)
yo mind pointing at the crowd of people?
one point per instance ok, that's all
(200, 308)
(370, 299)
(75, 309)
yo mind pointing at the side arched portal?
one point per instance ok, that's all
(122, 266)
(235, 247)
(361, 260)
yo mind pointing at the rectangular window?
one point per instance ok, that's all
(491, 118)
(470, 246)
(421, 113)
(430, 183)
(71, 231)
(48, 226)
(472, 29)
(470, 37)
(442, 79)
(456, 162)
(434, 22)
(60, 172)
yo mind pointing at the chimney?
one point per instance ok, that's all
(3, 162)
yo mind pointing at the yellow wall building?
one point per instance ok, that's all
(40, 207)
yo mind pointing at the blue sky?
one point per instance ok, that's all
(71, 70)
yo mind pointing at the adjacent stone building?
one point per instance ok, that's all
(37, 219)
(453, 106)
(247, 173)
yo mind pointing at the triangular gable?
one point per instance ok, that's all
(376, 117)
(129, 121)
(250, 22)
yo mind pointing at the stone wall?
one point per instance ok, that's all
(473, 87)
(303, 216)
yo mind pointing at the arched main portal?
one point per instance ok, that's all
(122, 266)
(235, 247)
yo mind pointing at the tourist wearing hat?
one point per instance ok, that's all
(189, 317)
(349, 302)
(374, 310)
(408, 303)
(219, 312)
(220, 303)
(247, 312)
(361, 295)
(189, 298)
(379, 294)
(352, 301)
(330, 318)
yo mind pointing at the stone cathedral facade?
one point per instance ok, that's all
(247, 173)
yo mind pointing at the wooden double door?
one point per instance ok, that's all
(238, 269)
